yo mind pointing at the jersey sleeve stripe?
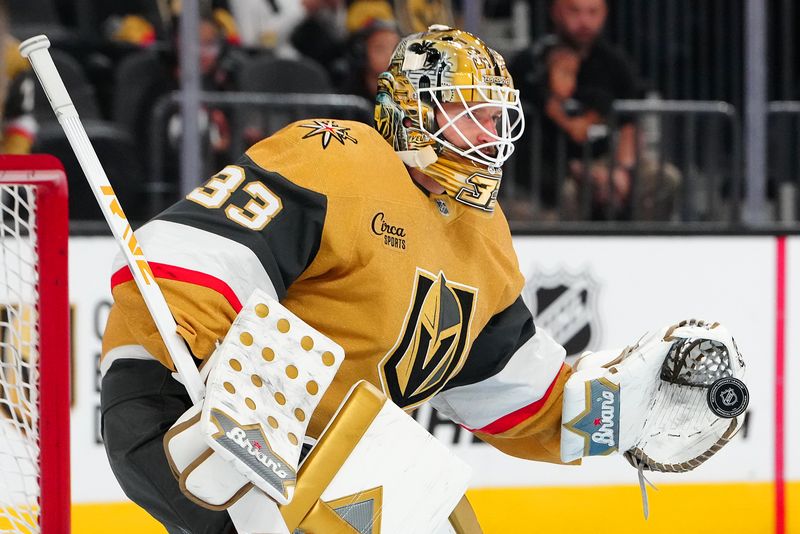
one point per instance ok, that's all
(518, 388)
(507, 422)
(234, 266)
(173, 272)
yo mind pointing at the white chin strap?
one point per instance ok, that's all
(418, 158)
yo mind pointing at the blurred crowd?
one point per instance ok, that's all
(579, 159)
(572, 77)
(119, 59)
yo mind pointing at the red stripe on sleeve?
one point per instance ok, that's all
(507, 422)
(171, 272)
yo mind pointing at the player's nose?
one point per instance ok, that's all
(488, 133)
(490, 124)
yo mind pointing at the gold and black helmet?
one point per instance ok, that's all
(444, 66)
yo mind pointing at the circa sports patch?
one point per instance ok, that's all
(728, 397)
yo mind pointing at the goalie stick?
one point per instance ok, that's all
(36, 51)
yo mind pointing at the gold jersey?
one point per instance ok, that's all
(422, 292)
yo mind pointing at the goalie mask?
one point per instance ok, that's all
(452, 74)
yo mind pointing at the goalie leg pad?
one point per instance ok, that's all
(373, 465)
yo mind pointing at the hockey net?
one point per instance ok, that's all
(34, 346)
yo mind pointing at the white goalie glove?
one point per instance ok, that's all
(265, 381)
(668, 403)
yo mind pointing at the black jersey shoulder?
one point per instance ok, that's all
(286, 245)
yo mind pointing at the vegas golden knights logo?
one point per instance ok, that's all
(433, 343)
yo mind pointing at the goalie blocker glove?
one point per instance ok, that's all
(265, 380)
(668, 403)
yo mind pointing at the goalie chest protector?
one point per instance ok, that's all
(326, 214)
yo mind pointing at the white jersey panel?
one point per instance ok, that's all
(198, 250)
(524, 380)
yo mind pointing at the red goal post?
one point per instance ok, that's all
(34, 346)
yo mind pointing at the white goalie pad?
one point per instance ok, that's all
(402, 474)
(266, 380)
(376, 470)
(669, 402)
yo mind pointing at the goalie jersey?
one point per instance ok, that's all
(422, 292)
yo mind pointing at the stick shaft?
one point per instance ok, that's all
(36, 50)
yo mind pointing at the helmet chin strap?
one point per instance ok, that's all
(423, 159)
(453, 173)
(418, 158)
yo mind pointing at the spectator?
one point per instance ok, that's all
(369, 54)
(143, 22)
(361, 13)
(580, 109)
(219, 64)
(415, 15)
(322, 34)
(18, 126)
(267, 23)
(563, 65)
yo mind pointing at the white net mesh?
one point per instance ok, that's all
(19, 357)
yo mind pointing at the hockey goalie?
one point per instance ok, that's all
(336, 277)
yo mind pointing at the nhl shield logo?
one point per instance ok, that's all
(433, 341)
(565, 305)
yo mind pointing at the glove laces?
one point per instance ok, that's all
(642, 487)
